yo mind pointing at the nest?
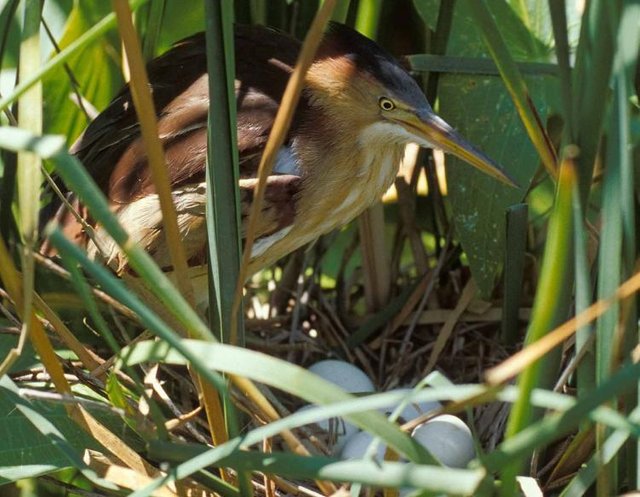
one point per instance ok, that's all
(315, 305)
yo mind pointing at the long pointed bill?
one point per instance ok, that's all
(434, 130)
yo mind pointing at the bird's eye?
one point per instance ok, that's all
(386, 104)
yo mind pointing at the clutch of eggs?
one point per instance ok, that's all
(351, 379)
(446, 437)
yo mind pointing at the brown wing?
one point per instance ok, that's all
(111, 147)
(112, 151)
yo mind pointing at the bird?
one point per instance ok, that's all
(358, 110)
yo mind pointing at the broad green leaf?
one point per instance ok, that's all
(37, 437)
(428, 10)
(535, 14)
(180, 22)
(514, 82)
(482, 110)
(95, 67)
(12, 44)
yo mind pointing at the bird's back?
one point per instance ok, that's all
(112, 150)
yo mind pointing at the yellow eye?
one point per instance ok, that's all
(386, 104)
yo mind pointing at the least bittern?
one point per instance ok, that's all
(358, 110)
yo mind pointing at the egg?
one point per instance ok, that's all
(412, 410)
(351, 379)
(448, 438)
(345, 375)
(357, 445)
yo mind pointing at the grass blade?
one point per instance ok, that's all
(629, 51)
(154, 20)
(83, 289)
(279, 374)
(610, 253)
(368, 17)
(608, 338)
(557, 425)
(387, 474)
(591, 78)
(9, 169)
(43, 347)
(223, 217)
(341, 11)
(521, 360)
(116, 288)
(611, 447)
(558, 11)
(515, 83)
(78, 180)
(585, 353)
(223, 199)
(29, 175)
(258, 11)
(14, 285)
(547, 310)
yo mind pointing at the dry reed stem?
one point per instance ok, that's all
(143, 103)
(468, 294)
(276, 138)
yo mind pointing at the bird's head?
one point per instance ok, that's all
(353, 76)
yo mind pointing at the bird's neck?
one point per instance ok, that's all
(345, 150)
(344, 179)
(340, 179)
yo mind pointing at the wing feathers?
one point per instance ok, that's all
(112, 150)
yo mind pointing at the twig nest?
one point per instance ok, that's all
(448, 438)
(412, 410)
(345, 375)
